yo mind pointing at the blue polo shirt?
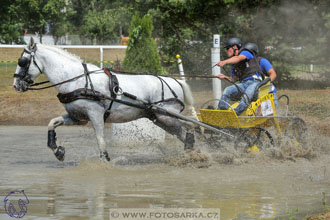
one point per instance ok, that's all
(265, 66)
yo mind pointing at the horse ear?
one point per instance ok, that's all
(31, 43)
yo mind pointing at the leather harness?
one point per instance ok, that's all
(91, 94)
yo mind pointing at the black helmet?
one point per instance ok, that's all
(252, 46)
(233, 41)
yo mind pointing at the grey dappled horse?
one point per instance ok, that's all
(83, 90)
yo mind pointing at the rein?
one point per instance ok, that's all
(60, 83)
(170, 75)
(128, 73)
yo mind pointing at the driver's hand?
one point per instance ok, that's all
(221, 63)
(221, 76)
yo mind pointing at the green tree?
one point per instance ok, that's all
(100, 25)
(114, 18)
(141, 53)
(10, 28)
(34, 15)
(57, 13)
(187, 26)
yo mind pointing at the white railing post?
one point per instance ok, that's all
(311, 68)
(101, 57)
(215, 58)
(180, 66)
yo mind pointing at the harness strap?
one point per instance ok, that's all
(85, 74)
(60, 83)
(172, 100)
(173, 93)
(35, 63)
(161, 81)
(168, 86)
(113, 87)
(57, 84)
(88, 78)
(80, 94)
(91, 94)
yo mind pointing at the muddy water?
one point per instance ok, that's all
(141, 176)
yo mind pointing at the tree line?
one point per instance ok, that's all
(295, 31)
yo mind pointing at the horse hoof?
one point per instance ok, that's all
(60, 153)
(104, 156)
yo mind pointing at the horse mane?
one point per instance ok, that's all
(62, 52)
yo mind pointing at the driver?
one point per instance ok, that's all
(245, 69)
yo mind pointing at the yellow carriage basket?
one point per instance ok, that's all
(261, 113)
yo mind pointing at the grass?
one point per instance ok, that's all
(320, 111)
(311, 103)
(28, 108)
(313, 106)
(7, 71)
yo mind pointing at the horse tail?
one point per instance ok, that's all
(188, 98)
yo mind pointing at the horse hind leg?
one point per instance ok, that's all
(175, 127)
(59, 151)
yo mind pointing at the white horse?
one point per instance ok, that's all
(86, 95)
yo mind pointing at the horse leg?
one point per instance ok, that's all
(174, 127)
(98, 124)
(59, 151)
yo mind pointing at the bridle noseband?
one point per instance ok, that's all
(25, 63)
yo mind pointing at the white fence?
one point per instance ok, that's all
(100, 47)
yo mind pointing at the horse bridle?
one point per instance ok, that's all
(25, 63)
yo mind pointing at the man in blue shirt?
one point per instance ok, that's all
(245, 69)
(265, 67)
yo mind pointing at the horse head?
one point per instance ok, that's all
(27, 69)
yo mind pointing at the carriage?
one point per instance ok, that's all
(251, 130)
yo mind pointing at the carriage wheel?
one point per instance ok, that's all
(254, 139)
(296, 132)
(210, 104)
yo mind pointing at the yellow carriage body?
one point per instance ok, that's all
(260, 113)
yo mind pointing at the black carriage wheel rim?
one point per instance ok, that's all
(260, 130)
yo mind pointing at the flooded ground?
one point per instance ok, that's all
(148, 175)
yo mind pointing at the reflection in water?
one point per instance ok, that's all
(51, 208)
(89, 189)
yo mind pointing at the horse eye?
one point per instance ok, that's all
(23, 61)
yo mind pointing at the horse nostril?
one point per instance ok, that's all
(15, 87)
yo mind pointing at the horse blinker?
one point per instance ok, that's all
(23, 62)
